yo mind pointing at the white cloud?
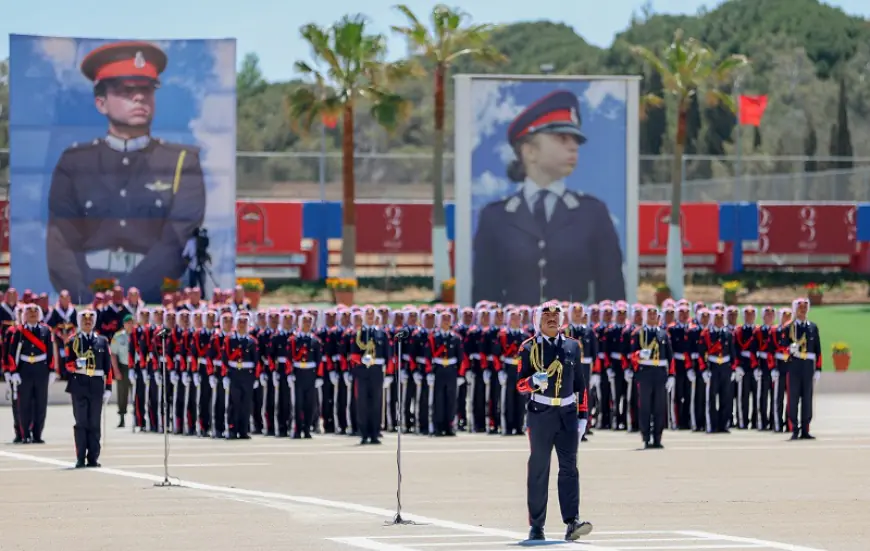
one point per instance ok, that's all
(599, 90)
(505, 152)
(62, 53)
(490, 185)
(491, 107)
(224, 52)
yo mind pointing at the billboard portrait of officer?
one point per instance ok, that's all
(125, 194)
(548, 190)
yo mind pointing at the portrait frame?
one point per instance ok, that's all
(464, 136)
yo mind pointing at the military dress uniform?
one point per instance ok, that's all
(764, 352)
(747, 387)
(30, 360)
(445, 372)
(805, 367)
(305, 373)
(653, 360)
(8, 322)
(201, 369)
(531, 228)
(717, 364)
(512, 404)
(681, 346)
(241, 369)
(553, 421)
(89, 385)
(123, 208)
(279, 350)
(62, 322)
(369, 364)
(779, 375)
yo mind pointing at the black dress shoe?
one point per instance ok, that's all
(307, 435)
(584, 439)
(121, 422)
(657, 446)
(375, 441)
(577, 529)
(807, 436)
(18, 440)
(364, 441)
(536, 534)
(38, 441)
(80, 464)
(646, 445)
(93, 465)
(794, 436)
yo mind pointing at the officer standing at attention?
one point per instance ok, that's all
(550, 373)
(241, 369)
(805, 368)
(89, 385)
(121, 359)
(123, 205)
(533, 225)
(31, 364)
(653, 360)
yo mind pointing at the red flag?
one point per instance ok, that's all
(752, 109)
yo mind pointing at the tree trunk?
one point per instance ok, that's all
(674, 259)
(440, 256)
(348, 187)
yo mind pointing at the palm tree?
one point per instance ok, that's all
(689, 69)
(350, 71)
(451, 37)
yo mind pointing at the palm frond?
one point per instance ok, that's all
(390, 110)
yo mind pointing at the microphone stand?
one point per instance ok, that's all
(164, 406)
(397, 519)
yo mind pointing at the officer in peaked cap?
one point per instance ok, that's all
(546, 241)
(123, 205)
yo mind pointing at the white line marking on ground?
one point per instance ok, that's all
(342, 505)
(675, 548)
(373, 545)
(193, 465)
(750, 541)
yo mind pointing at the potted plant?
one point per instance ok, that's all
(729, 292)
(663, 293)
(103, 285)
(815, 292)
(842, 356)
(170, 286)
(448, 291)
(342, 289)
(253, 287)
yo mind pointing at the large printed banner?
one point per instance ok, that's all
(811, 229)
(266, 227)
(546, 189)
(699, 223)
(394, 228)
(119, 151)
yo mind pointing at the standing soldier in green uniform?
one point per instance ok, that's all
(122, 359)
(123, 206)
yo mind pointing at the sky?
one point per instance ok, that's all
(270, 28)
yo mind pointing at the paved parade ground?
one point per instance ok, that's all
(740, 491)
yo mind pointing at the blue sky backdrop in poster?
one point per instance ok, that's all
(52, 108)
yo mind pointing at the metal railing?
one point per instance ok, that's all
(407, 177)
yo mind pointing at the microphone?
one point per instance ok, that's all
(403, 334)
(162, 332)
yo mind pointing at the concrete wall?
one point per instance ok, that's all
(856, 382)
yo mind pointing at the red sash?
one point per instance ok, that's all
(34, 339)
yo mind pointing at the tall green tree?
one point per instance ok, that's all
(654, 125)
(250, 80)
(689, 69)
(841, 138)
(810, 146)
(349, 71)
(450, 36)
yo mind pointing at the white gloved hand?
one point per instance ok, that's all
(418, 377)
(707, 375)
(817, 375)
(487, 376)
(16, 379)
(106, 395)
(173, 378)
(388, 380)
(197, 379)
(581, 426)
(469, 377)
(212, 381)
(185, 379)
(460, 381)
(540, 380)
(595, 380)
(740, 372)
(276, 379)
(291, 379)
(502, 377)
(264, 379)
(691, 375)
(430, 379)
(794, 349)
(404, 376)
(7, 376)
(671, 384)
(611, 373)
(628, 374)
(733, 376)
(348, 378)
(226, 383)
(774, 374)
(52, 377)
(158, 379)
(757, 373)
(318, 383)
(132, 375)
(333, 377)
(256, 384)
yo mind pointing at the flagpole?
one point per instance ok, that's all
(738, 191)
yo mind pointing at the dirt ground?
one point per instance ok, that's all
(746, 490)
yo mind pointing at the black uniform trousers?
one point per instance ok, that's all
(221, 411)
(744, 394)
(155, 403)
(409, 396)
(652, 402)
(445, 397)
(392, 400)
(719, 399)
(607, 402)
(682, 397)
(799, 385)
(305, 400)
(343, 403)
(32, 399)
(256, 408)
(241, 400)
(174, 395)
(203, 413)
(283, 415)
(368, 395)
(16, 417)
(421, 402)
(779, 395)
(479, 399)
(87, 402)
(763, 398)
(494, 403)
(327, 405)
(269, 406)
(461, 410)
(139, 397)
(513, 407)
(549, 427)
